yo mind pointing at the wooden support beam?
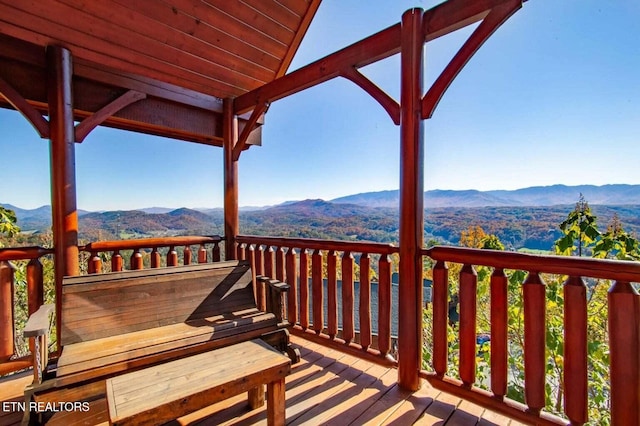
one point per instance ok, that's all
(231, 218)
(497, 16)
(387, 102)
(85, 127)
(411, 202)
(378, 46)
(249, 126)
(438, 21)
(452, 15)
(25, 108)
(63, 176)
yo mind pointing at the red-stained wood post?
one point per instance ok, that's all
(231, 221)
(7, 328)
(624, 334)
(63, 174)
(411, 201)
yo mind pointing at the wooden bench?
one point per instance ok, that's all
(173, 389)
(115, 323)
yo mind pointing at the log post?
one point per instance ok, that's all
(63, 174)
(231, 221)
(7, 327)
(411, 201)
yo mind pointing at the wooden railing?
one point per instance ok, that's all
(208, 249)
(326, 312)
(623, 332)
(35, 296)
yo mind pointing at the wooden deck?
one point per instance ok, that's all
(326, 387)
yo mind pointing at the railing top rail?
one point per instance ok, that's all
(619, 270)
(317, 244)
(23, 253)
(150, 243)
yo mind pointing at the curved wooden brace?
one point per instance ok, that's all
(387, 102)
(25, 108)
(498, 15)
(248, 128)
(94, 120)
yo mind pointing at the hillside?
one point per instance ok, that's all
(367, 219)
(533, 196)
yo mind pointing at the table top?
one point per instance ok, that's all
(187, 384)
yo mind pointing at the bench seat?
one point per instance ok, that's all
(94, 358)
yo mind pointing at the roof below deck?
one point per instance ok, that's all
(185, 55)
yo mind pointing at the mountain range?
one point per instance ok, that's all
(533, 196)
(523, 218)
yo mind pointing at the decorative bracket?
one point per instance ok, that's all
(94, 120)
(248, 128)
(387, 102)
(25, 108)
(496, 17)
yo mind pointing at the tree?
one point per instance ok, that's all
(580, 228)
(8, 221)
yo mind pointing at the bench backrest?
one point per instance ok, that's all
(103, 305)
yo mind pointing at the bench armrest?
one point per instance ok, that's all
(37, 330)
(38, 322)
(276, 296)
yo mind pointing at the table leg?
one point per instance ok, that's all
(256, 397)
(275, 403)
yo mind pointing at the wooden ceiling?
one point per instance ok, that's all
(191, 52)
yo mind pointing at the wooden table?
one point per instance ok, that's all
(170, 390)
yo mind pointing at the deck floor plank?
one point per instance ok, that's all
(326, 387)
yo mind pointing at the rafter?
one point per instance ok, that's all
(94, 120)
(496, 17)
(25, 108)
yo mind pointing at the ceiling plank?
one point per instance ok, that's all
(254, 19)
(196, 26)
(105, 52)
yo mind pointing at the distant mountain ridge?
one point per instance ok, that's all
(537, 196)
(510, 215)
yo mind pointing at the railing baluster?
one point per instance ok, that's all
(116, 261)
(215, 252)
(6, 311)
(468, 319)
(304, 289)
(172, 257)
(186, 260)
(384, 305)
(136, 262)
(35, 290)
(440, 303)
(624, 335)
(348, 318)
(156, 260)
(280, 270)
(269, 270)
(575, 350)
(365, 301)
(534, 341)
(241, 251)
(332, 294)
(202, 254)
(259, 266)
(317, 287)
(292, 280)
(260, 270)
(499, 324)
(94, 263)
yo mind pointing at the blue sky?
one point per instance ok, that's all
(553, 97)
